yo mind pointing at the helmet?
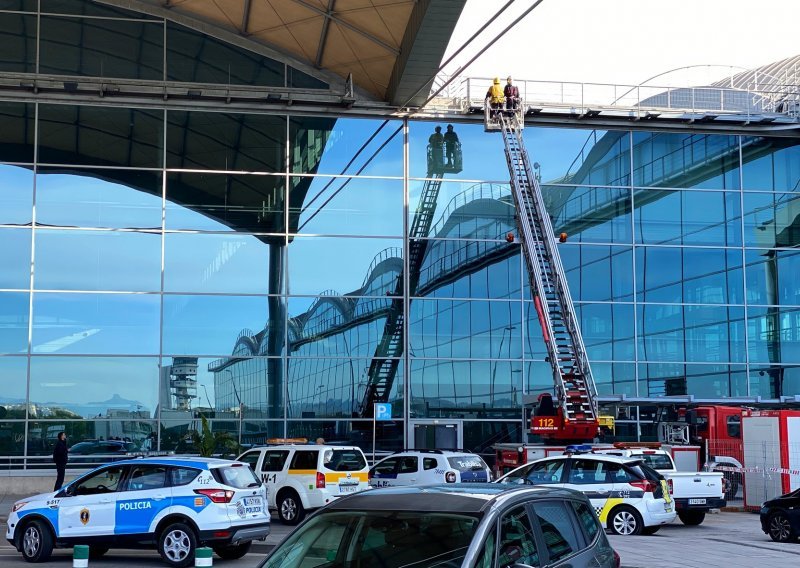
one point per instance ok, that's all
(497, 80)
(509, 78)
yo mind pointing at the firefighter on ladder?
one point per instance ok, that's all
(495, 98)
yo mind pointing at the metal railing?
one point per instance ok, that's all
(465, 93)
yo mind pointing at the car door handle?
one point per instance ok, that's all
(104, 501)
(159, 497)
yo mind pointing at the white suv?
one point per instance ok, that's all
(427, 467)
(175, 505)
(629, 497)
(304, 476)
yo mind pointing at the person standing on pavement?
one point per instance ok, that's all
(60, 457)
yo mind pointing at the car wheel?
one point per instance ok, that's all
(177, 544)
(692, 518)
(97, 551)
(650, 530)
(625, 521)
(290, 509)
(37, 542)
(780, 530)
(233, 551)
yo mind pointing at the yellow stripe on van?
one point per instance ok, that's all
(302, 472)
(335, 477)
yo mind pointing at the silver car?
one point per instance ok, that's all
(480, 525)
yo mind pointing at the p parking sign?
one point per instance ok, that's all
(383, 411)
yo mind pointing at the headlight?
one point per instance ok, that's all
(18, 506)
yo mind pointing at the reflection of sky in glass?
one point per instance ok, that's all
(13, 372)
(16, 195)
(15, 256)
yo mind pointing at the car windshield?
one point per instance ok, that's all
(467, 463)
(656, 461)
(385, 539)
(345, 460)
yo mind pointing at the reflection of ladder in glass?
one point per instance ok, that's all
(383, 368)
(575, 388)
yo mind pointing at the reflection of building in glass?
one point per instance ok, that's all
(180, 380)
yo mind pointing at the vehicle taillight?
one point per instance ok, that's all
(617, 560)
(670, 485)
(369, 475)
(217, 495)
(320, 480)
(645, 485)
(450, 477)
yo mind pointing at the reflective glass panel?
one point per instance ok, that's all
(101, 48)
(196, 57)
(388, 435)
(770, 219)
(614, 378)
(470, 269)
(97, 260)
(688, 217)
(16, 123)
(772, 277)
(17, 43)
(709, 381)
(16, 195)
(774, 334)
(590, 214)
(100, 136)
(772, 381)
(479, 437)
(465, 329)
(321, 387)
(68, 323)
(91, 442)
(116, 199)
(19, 5)
(346, 206)
(771, 164)
(82, 7)
(442, 388)
(691, 333)
(223, 141)
(227, 263)
(693, 275)
(15, 258)
(220, 325)
(337, 326)
(706, 161)
(120, 387)
(14, 310)
(13, 390)
(220, 202)
(344, 265)
(607, 331)
(255, 383)
(346, 146)
(299, 80)
(597, 273)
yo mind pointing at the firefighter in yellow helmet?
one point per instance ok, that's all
(495, 97)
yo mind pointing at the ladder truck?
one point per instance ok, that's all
(573, 415)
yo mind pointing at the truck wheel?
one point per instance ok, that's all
(625, 521)
(177, 544)
(290, 508)
(691, 518)
(37, 542)
(233, 551)
(780, 530)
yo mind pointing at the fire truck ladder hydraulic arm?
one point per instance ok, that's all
(576, 393)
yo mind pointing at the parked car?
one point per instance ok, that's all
(303, 477)
(173, 504)
(482, 525)
(694, 493)
(429, 467)
(780, 518)
(629, 497)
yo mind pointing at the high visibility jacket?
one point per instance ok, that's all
(495, 93)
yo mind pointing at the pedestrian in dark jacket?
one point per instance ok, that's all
(511, 93)
(60, 457)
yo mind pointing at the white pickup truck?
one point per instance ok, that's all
(694, 493)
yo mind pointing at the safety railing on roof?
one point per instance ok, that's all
(465, 93)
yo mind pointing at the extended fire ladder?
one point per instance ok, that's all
(575, 389)
(383, 368)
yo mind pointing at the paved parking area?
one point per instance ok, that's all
(728, 540)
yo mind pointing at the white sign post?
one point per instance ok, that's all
(382, 412)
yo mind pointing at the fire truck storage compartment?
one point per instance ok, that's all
(771, 448)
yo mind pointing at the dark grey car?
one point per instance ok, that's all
(469, 525)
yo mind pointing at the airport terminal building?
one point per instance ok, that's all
(208, 212)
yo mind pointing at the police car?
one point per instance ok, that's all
(427, 467)
(301, 477)
(175, 504)
(629, 497)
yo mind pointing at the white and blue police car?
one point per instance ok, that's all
(175, 504)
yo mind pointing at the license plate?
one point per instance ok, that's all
(348, 488)
(697, 501)
(252, 501)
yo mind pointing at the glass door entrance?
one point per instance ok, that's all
(437, 435)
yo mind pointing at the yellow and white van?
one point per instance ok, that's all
(305, 476)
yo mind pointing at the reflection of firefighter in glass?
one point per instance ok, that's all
(436, 142)
(450, 142)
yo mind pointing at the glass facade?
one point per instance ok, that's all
(159, 264)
